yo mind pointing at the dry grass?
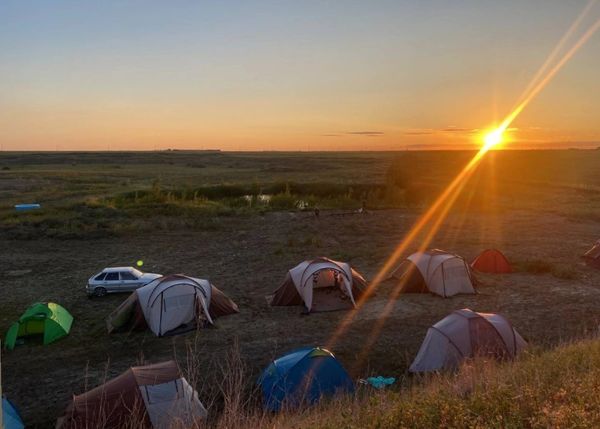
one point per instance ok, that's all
(557, 269)
(557, 388)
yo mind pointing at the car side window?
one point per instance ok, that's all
(112, 277)
(126, 275)
(100, 276)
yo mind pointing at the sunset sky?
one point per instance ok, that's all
(290, 75)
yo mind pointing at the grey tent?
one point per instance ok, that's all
(434, 271)
(320, 284)
(466, 334)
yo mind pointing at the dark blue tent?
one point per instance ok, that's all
(10, 416)
(303, 377)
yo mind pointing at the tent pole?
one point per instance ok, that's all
(1, 401)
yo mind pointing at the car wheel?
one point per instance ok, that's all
(99, 291)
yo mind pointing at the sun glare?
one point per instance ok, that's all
(492, 138)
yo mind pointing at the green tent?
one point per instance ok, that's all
(42, 318)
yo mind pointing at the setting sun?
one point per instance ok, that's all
(492, 138)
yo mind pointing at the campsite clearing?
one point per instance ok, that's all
(91, 218)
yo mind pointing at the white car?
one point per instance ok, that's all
(118, 279)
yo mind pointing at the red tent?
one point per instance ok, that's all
(491, 261)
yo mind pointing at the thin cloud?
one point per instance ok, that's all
(419, 132)
(355, 133)
(453, 129)
(365, 133)
(448, 129)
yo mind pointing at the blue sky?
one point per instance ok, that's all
(287, 74)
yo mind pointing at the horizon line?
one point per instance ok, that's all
(421, 149)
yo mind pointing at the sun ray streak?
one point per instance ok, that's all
(557, 49)
(447, 197)
(389, 306)
(413, 233)
(548, 77)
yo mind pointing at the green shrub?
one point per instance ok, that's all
(283, 201)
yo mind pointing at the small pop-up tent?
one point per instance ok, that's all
(151, 396)
(491, 261)
(43, 319)
(170, 305)
(466, 334)
(303, 377)
(434, 271)
(10, 416)
(320, 285)
(592, 256)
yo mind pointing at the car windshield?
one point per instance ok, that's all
(136, 273)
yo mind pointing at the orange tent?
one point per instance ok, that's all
(491, 261)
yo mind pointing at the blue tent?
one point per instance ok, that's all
(10, 416)
(303, 377)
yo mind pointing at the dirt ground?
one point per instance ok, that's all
(248, 259)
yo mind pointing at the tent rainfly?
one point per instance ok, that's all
(491, 261)
(434, 271)
(170, 305)
(303, 377)
(45, 319)
(11, 419)
(320, 284)
(151, 396)
(592, 256)
(466, 334)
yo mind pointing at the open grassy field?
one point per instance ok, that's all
(200, 213)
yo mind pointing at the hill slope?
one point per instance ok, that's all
(557, 388)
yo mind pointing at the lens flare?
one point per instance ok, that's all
(492, 138)
(140, 263)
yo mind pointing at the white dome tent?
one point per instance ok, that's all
(170, 305)
(434, 271)
(466, 334)
(320, 284)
